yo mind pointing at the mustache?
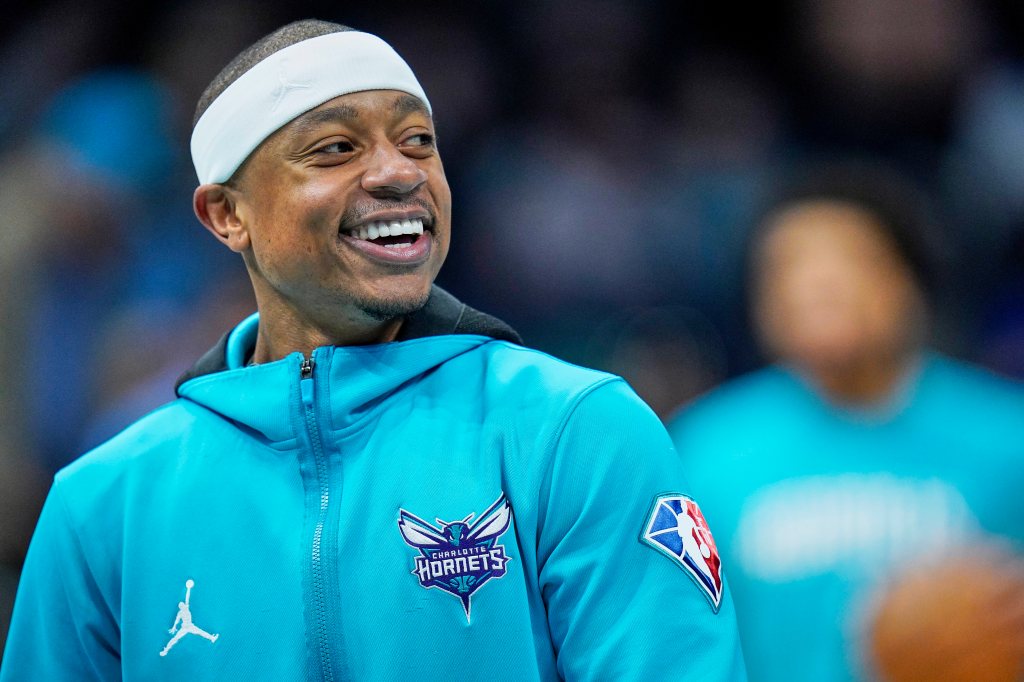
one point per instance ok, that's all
(357, 214)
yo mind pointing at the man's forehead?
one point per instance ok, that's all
(348, 108)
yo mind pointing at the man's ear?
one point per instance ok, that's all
(217, 207)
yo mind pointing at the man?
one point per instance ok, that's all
(860, 454)
(368, 479)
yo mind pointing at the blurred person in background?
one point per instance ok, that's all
(861, 455)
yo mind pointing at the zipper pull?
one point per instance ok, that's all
(306, 382)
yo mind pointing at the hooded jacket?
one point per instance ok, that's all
(449, 506)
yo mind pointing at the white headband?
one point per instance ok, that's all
(286, 84)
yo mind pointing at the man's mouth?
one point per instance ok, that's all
(399, 241)
(392, 234)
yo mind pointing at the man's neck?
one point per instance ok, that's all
(282, 332)
(867, 382)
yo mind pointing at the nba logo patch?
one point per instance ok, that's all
(676, 528)
(458, 557)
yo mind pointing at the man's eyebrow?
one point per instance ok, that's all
(342, 113)
(407, 104)
(310, 121)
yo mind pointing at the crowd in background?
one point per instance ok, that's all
(607, 160)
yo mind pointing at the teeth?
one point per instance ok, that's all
(388, 228)
(395, 228)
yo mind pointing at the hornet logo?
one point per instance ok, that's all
(458, 557)
(676, 528)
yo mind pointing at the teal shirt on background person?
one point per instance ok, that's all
(275, 513)
(813, 505)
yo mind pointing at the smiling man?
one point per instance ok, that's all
(367, 479)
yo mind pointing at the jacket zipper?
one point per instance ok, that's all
(306, 385)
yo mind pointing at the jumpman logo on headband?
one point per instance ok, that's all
(284, 85)
(184, 620)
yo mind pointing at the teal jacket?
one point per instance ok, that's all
(446, 507)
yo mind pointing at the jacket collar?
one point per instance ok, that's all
(350, 380)
(442, 315)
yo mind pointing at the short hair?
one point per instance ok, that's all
(287, 35)
(899, 208)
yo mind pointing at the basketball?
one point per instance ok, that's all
(962, 621)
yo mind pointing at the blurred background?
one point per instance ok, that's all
(607, 161)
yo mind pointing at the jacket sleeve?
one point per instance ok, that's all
(619, 609)
(61, 628)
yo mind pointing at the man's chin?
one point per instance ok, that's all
(391, 307)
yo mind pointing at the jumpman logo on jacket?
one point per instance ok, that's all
(184, 620)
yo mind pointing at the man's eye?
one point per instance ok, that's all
(420, 140)
(335, 148)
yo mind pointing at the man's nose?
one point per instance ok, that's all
(389, 171)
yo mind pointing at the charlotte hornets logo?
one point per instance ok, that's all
(459, 556)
